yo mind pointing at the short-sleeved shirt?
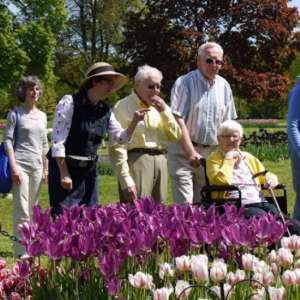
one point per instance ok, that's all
(203, 107)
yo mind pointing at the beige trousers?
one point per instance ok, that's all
(187, 181)
(150, 175)
(25, 195)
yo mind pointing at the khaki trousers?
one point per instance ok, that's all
(187, 181)
(25, 196)
(150, 175)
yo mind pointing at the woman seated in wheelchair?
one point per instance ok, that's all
(230, 166)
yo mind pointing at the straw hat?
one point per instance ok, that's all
(107, 70)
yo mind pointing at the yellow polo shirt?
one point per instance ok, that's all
(155, 131)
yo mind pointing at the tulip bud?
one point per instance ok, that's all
(284, 257)
(183, 263)
(141, 280)
(199, 267)
(248, 261)
(258, 294)
(162, 293)
(276, 293)
(218, 271)
(165, 270)
(233, 278)
(272, 257)
(297, 274)
(181, 289)
(289, 278)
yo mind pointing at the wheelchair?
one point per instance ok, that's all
(208, 190)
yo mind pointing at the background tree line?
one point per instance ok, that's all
(58, 39)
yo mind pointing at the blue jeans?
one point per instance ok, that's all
(84, 192)
(295, 164)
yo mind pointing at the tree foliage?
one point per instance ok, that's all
(257, 37)
(32, 33)
(93, 30)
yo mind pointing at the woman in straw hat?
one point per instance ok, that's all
(80, 123)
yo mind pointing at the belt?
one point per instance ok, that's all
(200, 145)
(150, 151)
(81, 161)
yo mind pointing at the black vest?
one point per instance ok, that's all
(89, 125)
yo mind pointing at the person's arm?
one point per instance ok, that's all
(192, 155)
(45, 150)
(61, 127)
(118, 158)
(220, 168)
(16, 174)
(118, 133)
(294, 120)
(168, 124)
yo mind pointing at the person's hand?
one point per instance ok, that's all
(45, 178)
(66, 182)
(272, 180)
(235, 155)
(16, 175)
(130, 193)
(158, 103)
(195, 160)
(139, 115)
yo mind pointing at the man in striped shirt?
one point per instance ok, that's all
(200, 101)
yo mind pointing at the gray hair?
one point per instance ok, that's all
(230, 126)
(25, 83)
(144, 72)
(203, 48)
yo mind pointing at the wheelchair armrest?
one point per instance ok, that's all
(207, 190)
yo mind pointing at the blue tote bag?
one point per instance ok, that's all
(5, 178)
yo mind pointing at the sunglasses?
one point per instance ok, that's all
(154, 86)
(211, 61)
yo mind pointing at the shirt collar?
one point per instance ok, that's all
(201, 77)
(137, 100)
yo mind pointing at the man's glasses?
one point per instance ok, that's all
(211, 61)
(154, 86)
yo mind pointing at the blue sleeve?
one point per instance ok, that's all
(294, 118)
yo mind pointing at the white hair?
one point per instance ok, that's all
(230, 126)
(203, 48)
(144, 72)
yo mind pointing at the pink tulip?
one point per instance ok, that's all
(284, 257)
(276, 293)
(218, 271)
(15, 296)
(166, 270)
(216, 290)
(297, 274)
(162, 293)
(275, 269)
(2, 264)
(292, 242)
(141, 280)
(181, 289)
(183, 263)
(199, 267)
(289, 278)
(233, 278)
(272, 257)
(248, 261)
(268, 278)
(258, 294)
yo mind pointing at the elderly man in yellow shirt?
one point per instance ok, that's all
(141, 165)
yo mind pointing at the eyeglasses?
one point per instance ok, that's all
(211, 61)
(154, 86)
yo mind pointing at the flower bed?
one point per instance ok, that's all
(148, 250)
